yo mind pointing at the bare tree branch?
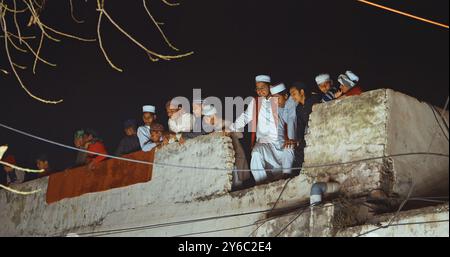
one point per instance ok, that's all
(71, 13)
(170, 4)
(157, 26)
(34, 8)
(5, 31)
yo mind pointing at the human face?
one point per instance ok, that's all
(86, 139)
(325, 87)
(210, 120)
(344, 88)
(130, 131)
(148, 118)
(155, 136)
(78, 142)
(171, 111)
(42, 165)
(298, 96)
(7, 168)
(197, 110)
(281, 99)
(262, 89)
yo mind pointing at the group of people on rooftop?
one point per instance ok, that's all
(278, 116)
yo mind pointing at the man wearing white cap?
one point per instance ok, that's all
(217, 124)
(325, 84)
(348, 84)
(275, 155)
(143, 133)
(262, 113)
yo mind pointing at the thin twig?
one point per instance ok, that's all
(170, 4)
(73, 16)
(158, 27)
(4, 28)
(38, 21)
(100, 43)
(38, 52)
(68, 35)
(164, 57)
(16, 23)
(35, 54)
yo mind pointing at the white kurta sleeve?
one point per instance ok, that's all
(143, 134)
(245, 118)
(292, 123)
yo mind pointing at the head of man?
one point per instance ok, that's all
(11, 160)
(280, 93)
(173, 109)
(345, 83)
(324, 82)
(129, 127)
(148, 114)
(210, 115)
(88, 136)
(156, 132)
(78, 138)
(42, 162)
(262, 86)
(300, 92)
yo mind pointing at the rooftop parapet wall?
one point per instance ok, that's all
(376, 124)
(31, 215)
(345, 130)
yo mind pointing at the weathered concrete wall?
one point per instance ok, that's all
(173, 194)
(345, 130)
(375, 124)
(327, 220)
(426, 222)
(412, 127)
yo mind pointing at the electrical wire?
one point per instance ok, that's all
(437, 120)
(290, 222)
(404, 14)
(215, 169)
(395, 215)
(273, 207)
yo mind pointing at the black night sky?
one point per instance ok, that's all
(233, 40)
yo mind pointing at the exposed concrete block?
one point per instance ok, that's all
(376, 124)
(426, 222)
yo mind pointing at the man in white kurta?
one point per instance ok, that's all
(268, 150)
(143, 133)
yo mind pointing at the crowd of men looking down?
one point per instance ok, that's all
(279, 117)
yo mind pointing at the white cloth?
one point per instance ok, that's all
(143, 134)
(277, 89)
(209, 110)
(266, 130)
(263, 78)
(268, 152)
(149, 108)
(322, 78)
(183, 123)
(352, 76)
(290, 117)
(269, 156)
(344, 80)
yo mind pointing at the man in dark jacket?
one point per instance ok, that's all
(306, 97)
(130, 143)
